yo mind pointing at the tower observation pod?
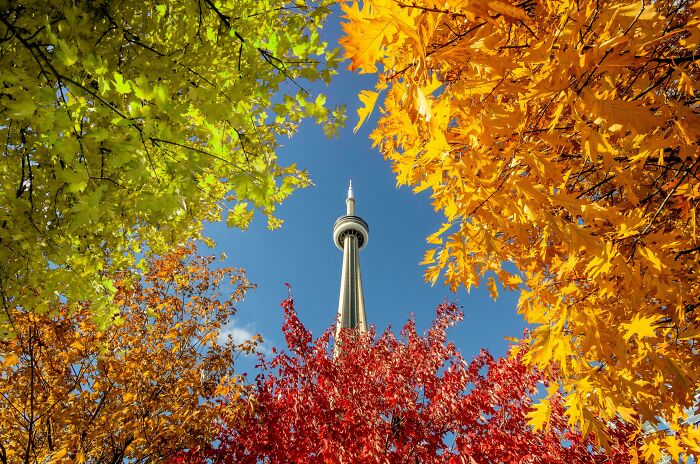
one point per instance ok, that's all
(350, 234)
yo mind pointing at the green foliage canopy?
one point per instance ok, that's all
(125, 124)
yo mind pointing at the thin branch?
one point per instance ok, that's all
(157, 141)
(224, 19)
(483, 202)
(675, 60)
(660, 208)
(660, 81)
(587, 191)
(686, 252)
(431, 9)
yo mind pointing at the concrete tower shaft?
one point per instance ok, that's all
(351, 234)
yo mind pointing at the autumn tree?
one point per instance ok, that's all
(139, 391)
(396, 400)
(125, 124)
(561, 137)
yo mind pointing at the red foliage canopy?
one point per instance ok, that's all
(408, 400)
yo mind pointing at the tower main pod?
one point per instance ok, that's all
(350, 234)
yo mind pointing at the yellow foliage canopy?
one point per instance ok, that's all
(127, 124)
(139, 391)
(561, 137)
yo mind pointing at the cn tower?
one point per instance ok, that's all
(350, 234)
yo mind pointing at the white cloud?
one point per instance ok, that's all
(241, 334)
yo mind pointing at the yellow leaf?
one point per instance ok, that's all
(368, 99)
(77, 346)
(648, 254)
(434, 239)
(423, 104)
(513, 281)
(642, 326)
(651, 451)
(506, 9)
(493, 289)
(556, 116)
(627, 414)
(429, 257)
(673, 447)
(539, 416)
(690, 334)
(473, 88)
(10, 360)
(685, 84)
(638, 11)
(682, 132)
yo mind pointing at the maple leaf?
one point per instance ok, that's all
(392, 399)
(673, 447)
(640, 326)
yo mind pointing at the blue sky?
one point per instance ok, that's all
(302, 251)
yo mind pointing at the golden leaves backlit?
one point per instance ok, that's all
(561, 137)
(143, 389)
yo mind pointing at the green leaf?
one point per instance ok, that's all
(159, 127)
(240, 216)
(120, 85)
(66, 53)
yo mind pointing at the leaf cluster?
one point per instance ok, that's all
(561, 137)
(126, 124)
(144, 389)
(384, 399)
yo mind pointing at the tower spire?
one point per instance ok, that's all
(350, 234)
(350, 201)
